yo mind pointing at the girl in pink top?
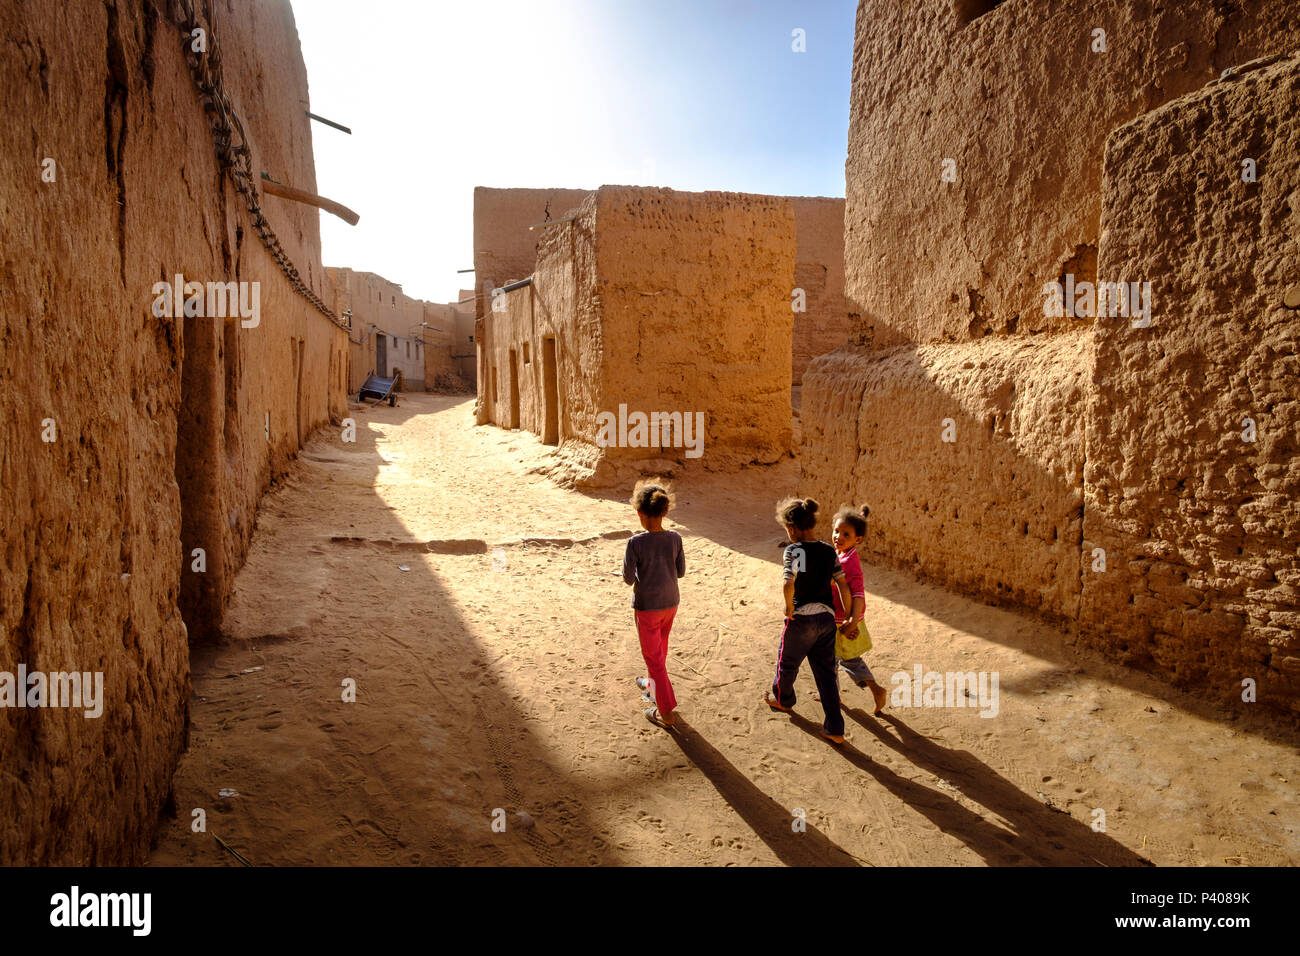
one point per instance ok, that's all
(850, 526)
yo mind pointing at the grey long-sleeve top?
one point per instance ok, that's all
(653, 562)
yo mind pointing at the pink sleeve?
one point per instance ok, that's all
(853, 572)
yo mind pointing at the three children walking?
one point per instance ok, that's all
(824, 604)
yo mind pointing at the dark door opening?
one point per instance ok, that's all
(551, 401)
(297, 361)
(206, 353)
(514, 389)
(381, 355)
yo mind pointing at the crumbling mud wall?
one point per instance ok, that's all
(910, 430)
(972, 181)
(824, 323)
(507, 251)
(1193, 473)
(1021, 104)
(282, 377)
(131, 439)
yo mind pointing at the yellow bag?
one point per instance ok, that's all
(847, 648)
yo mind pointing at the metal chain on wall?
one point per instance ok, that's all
(228, 136)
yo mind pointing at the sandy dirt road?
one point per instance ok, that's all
(479, 609)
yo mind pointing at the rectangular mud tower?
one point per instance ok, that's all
(653, 301)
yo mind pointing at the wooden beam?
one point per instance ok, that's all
(329, 122)
(272, 188)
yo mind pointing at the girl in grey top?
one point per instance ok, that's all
(652, 563)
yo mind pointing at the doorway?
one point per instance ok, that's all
(551, 385)
(205, 423)
(297, 362)
(496, 415)
(514, 389)
(381, 354)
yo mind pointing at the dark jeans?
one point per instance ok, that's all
(811, 636)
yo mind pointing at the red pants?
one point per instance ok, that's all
(653, 627)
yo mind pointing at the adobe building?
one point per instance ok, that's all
(1127, 469)
(137, 441)
(464, 349)
(387, 331)
(506, 249)
(442, 361)
(654, 302)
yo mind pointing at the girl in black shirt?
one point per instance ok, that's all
(810, 569)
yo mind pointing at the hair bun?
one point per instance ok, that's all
(866, 512)
(810, 506)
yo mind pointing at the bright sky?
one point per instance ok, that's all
(442, 97)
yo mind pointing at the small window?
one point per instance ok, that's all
(526, 359)
(408, 349)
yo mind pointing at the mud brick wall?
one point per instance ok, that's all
(381, 303)
(695, 309)
(1201, 527)
(463, 344)
(1017, 98)
(998, 511)
(439, 340)
(163, 439)
(1019, 101)
(661, 300)
(819, 271)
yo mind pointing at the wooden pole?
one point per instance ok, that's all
(272, 188)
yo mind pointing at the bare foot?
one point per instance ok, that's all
(881, 696)
(772, 702)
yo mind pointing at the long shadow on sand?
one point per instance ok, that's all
(1043, 836)
(766, 817)
(1034, 820)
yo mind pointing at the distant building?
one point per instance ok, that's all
(387, 334)
(640, 301)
